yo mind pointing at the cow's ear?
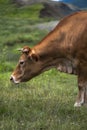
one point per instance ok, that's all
(34, 57)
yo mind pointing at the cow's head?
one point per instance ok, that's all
(29, 66)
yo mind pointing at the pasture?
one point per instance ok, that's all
(44, 103)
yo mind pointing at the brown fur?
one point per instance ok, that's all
(64, 48)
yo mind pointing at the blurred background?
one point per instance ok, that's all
(46, 102)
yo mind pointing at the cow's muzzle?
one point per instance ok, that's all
(12, 79)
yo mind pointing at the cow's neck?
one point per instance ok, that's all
(50, 45)
(50, 53)
(55, 57)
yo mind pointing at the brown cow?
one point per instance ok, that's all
(64, 48)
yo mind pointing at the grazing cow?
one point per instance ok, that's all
(64, 48)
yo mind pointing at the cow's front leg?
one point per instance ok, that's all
(85, 96)
(81, 94)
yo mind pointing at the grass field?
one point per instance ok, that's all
(45, 102)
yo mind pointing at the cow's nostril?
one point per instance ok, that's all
(11, 78)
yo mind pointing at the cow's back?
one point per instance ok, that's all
(72, 31)
(68, 35)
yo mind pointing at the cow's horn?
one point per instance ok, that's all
(20, 49)
(25, 49)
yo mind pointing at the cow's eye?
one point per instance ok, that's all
(21, 62)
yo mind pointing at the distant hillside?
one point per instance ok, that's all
(79, 3)
(50, 9)
(28, 2)
(57, 9)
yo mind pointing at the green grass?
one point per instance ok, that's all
(7, 9)
(45, 102)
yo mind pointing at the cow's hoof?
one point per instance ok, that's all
(77, 104)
